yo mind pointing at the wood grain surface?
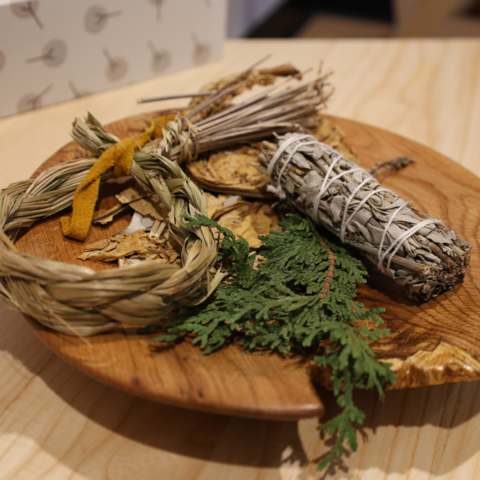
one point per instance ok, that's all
(430, 343)
(58, 423)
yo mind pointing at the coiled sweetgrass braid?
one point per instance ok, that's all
(77, 300)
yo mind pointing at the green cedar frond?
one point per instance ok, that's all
(302, 295)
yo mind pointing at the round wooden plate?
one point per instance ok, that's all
(431, 343)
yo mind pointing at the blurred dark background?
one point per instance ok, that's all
(353, 18)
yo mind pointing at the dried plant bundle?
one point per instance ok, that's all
(416, 250)
(235, 84)
(215, 123)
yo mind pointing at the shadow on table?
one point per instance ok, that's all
(419, 428)
(128, 434)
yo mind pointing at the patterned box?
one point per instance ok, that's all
(56, 50)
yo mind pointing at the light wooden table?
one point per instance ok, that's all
(56, 423)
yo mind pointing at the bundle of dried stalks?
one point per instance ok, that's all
(215, 123)
(417, 251)
(77, 300)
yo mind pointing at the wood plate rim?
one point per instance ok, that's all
(311, 407)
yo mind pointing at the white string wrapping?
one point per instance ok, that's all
(346, 218)
(326, 186)
(279, 190)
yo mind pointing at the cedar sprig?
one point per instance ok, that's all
(301, 297)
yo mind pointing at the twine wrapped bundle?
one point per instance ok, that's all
(79, 301)
(415, 250)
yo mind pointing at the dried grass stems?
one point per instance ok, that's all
(417, 251)
(215, 123)
(77, 300)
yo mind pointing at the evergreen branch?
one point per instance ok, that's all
(301, 297)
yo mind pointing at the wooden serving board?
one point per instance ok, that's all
(431, 343)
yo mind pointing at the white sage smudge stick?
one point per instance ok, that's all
(416, 250)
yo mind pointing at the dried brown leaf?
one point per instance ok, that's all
(131, 194)
(248, 220)
(109, 215)
(100, 245)
(230, 172)
(121, 247)
(143, 203)
(214, 203)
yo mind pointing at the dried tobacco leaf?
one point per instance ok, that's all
(231, 172)
(245, 219)
(215, 202)
(109, 215)
(327, 131)
(143, 202)
(138, 245)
